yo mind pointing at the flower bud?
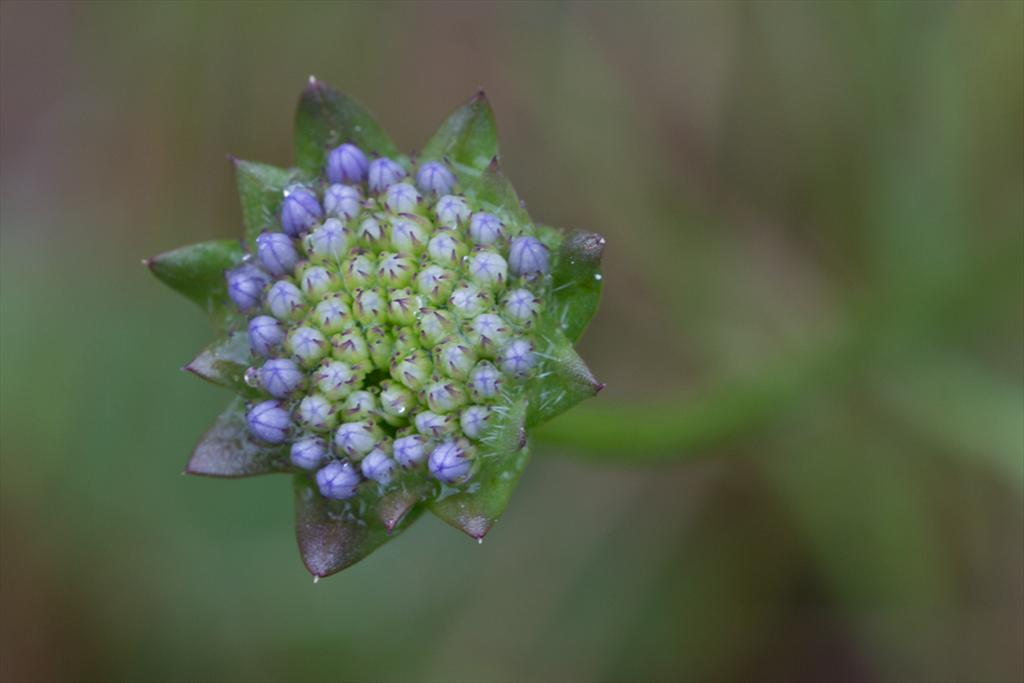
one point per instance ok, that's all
(394, 270)
(396, 402)
(332, 315)
(346, 164)
(469, 301)
(455, 359)
(316, 281)
(328, 243)
(403, 306)
(317, 413)
(276, 252)
(383, 173)
(528, 257)
(245, 286)
(488, 333)
(446, 249)
(433, 177)
(452, 461)
(307, 344)
(360, 406)
(356, 439)
(380, 345)
(485, 382)
(371, 234)
(485, 229)
(405, 340)
(359, 270)
(444, 397)
(434, 325)
(300, 210)
(474, 420)
(336, 379)
(402, 198)
(488, 269)
(279, 377)
(350, 346)
(369, 306)
(338, 480)
(518, 358)
(343, 201)
(285, 301)
(435, 284)
(412, 370)
(521, 306)
(308, 452)
(409, 234)
(378, 466)
(269, 421)
(265, 335)
(452, 210)
(410, 450)
(433, 425)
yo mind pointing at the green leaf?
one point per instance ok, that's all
(197, 271)
(327, 118)
(261, 191)
(335, 534)
(502, 455)
(468, 138)
(494, 190)
(224, 362)
(563, 379)
(227, 449)
(577, 282)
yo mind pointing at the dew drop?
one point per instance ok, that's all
(252, 377)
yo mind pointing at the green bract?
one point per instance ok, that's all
(391, 337)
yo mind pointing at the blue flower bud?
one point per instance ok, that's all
(265, 335)
(452, 210)
(452, 461)
(336, 379)
(328, 243)
(371, 233)
(434, 426)
(369, 306)
(435, 284)
(308, 452)
(528, 257)
(359, 270)
(444, 397)
(405, 340)
(338, 480)
(469, 301)
(522, 306)
(394, 270)
(474, 420)
(307, 344)
(455, 359)
(488, 269)
(434, 325)
(403, 306)
(346, 164)
(410, 450)
(485, 382)
(343, 201)
(317, 413)
(356, 439)
(269, 421)
(446, 249)
(485, 228)
(316, 281)
(396, 402)
(332, 315)
(409, 234)
(360, 406)
(245, 286)
(279, 377)
(402, 198)
(378, 467)
(412, 370)
(300, 210)
(384, 173)
(285, 301)
(488, 333)
(380, 344)
(276, 252)
(518, 358)
(350, 346)
(434, 178)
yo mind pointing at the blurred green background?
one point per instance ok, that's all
(808, 463)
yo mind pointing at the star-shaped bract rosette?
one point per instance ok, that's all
(393, 326)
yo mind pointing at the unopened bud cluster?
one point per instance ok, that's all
(391, 316)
